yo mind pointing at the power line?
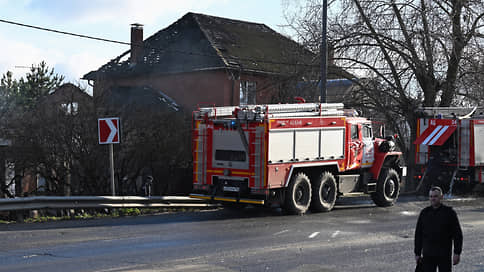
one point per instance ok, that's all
(182, 52)
(63, 32)
(127, 43)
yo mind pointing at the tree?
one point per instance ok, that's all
(50, 137)
(67, 138)
(17, 97)
(39, 82)
(407, 53)
(155, 140)
(156, 144)
(471, 85)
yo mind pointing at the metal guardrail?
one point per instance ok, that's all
(79, 202)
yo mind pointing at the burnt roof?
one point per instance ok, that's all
(138, 98)
(201, 42)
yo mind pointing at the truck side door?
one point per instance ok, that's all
(355, 147)
(368, 146)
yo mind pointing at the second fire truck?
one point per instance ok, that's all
(450, 148)
(299, 156)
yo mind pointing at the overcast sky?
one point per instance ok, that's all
(110, 19)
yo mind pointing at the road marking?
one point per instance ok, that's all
(452, 198)
(360, 221)
(38, 255)
(280, 232)
(473, 223)
(126, 268)
(335, 234)
(408, 213)
(314, 234)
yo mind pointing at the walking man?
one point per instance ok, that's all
(437, 228)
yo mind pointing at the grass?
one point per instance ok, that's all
(93, 214)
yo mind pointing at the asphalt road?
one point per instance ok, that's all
(355, 236)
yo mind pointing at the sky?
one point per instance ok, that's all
(22, 47)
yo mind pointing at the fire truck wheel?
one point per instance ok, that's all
(298, 194)
(387, 189)
(324, 193)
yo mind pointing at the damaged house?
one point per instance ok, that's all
(199, 60)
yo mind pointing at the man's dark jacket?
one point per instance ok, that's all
(436, 228)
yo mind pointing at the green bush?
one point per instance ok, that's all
(129, 212)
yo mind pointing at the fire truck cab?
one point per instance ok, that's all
(298, 156)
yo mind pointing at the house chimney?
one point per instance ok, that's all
(136, 43)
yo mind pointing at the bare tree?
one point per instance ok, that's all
(155, 141)
(471, 82)
(407, 53)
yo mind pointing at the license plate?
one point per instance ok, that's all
(231, 189)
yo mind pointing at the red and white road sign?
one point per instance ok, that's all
(108, 129)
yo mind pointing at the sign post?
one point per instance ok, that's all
(111, 164)
(108, 131)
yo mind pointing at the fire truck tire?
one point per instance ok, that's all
(323, 193)
(298, 194)
(387, 188)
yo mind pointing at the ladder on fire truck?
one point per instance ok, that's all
(451, 112)
(258, 112)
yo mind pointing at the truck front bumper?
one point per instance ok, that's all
(228, 199)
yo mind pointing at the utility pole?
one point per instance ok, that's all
(324, 52)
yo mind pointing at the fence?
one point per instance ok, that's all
(79, 202)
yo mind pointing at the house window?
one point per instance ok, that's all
(247, 92)
(70, 108)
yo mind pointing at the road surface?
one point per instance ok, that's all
(355, 236)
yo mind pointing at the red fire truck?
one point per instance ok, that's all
(450, 148)
(298, 156)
